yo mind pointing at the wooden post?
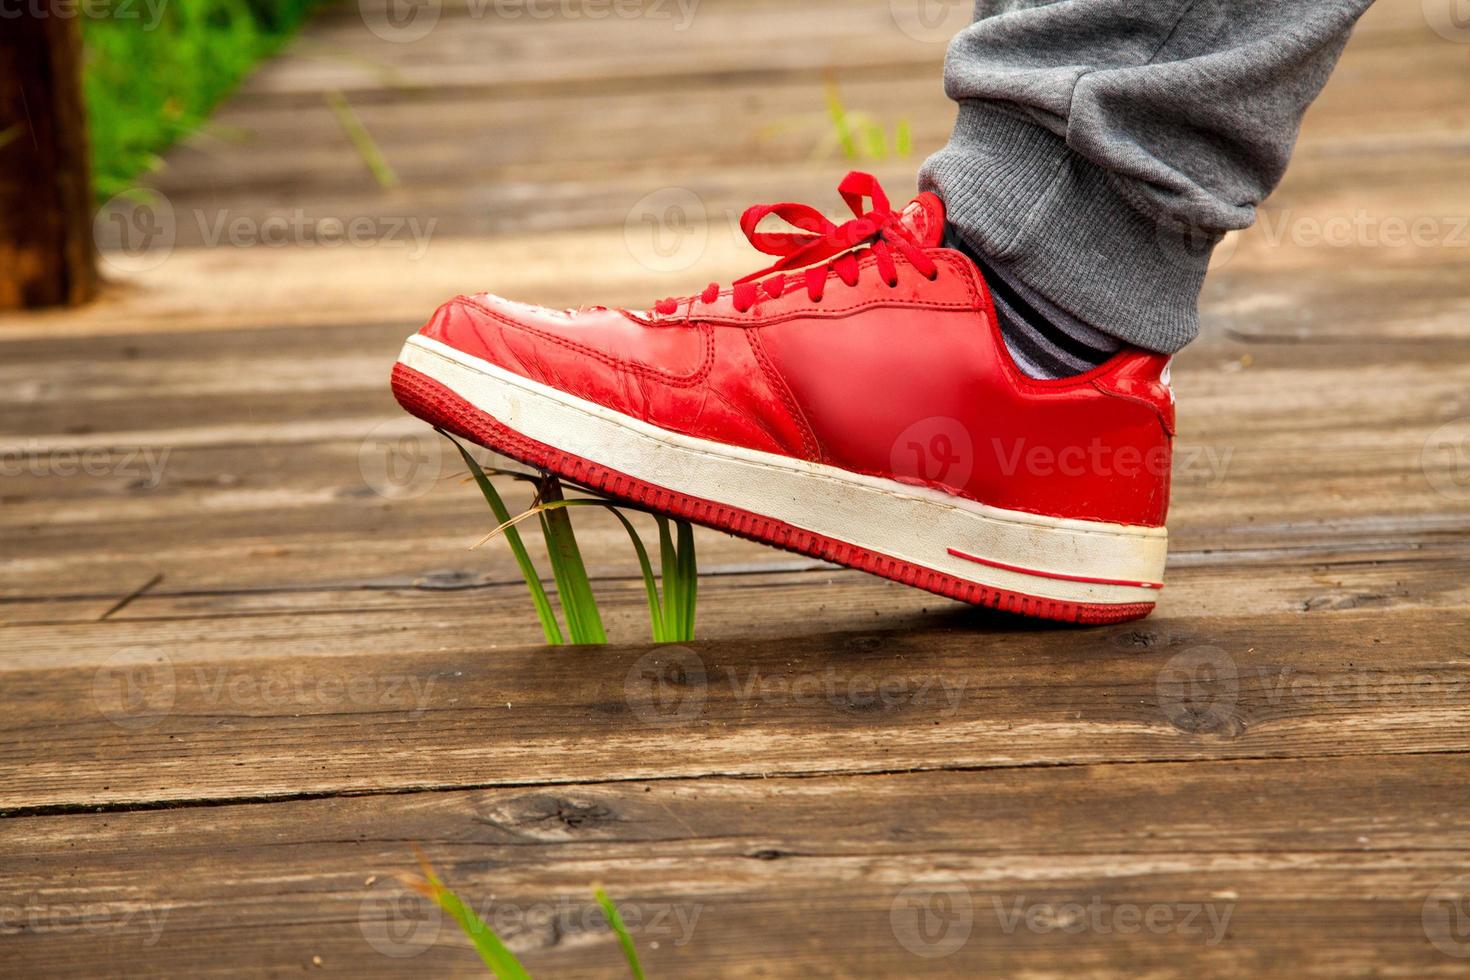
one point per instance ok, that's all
(47, 256)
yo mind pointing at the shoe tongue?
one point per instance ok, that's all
(924, 216)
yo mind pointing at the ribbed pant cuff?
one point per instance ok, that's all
(1015, 192)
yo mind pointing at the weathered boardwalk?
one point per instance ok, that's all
(244, 663)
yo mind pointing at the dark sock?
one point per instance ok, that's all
(1044, 340)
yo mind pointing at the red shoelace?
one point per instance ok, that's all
(821, 247)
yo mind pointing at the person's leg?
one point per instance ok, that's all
(1103, 147)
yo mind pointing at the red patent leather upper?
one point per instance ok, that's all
(880, 354)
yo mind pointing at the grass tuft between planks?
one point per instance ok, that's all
(672, 593)
(496, 956)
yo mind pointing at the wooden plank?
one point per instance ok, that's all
(575, 53)
(486, 199)
(155, 723)
(1307, 867)
(472, 140)
(470, 601)
(373, 546)
(454, 610)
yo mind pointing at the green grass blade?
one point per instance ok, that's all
(520, 518)
(838, 113)
(569, 608)
(903, 137)
(577, 600)
(615, 919)
(655, 612)
(362, 140)
(668, 561)
(688, 576)
(536, 509)
(549, 626)
(650, 582)
(872, 134)
(495, 954)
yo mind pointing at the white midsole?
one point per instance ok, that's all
(913, 524)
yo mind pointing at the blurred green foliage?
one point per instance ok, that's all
(155, 68)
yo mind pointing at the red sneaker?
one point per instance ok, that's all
(863, 410)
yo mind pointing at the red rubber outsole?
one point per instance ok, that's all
(436, 404)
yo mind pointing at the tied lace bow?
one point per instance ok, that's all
(821, 247)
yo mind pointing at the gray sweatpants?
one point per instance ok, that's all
(1103, 147)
